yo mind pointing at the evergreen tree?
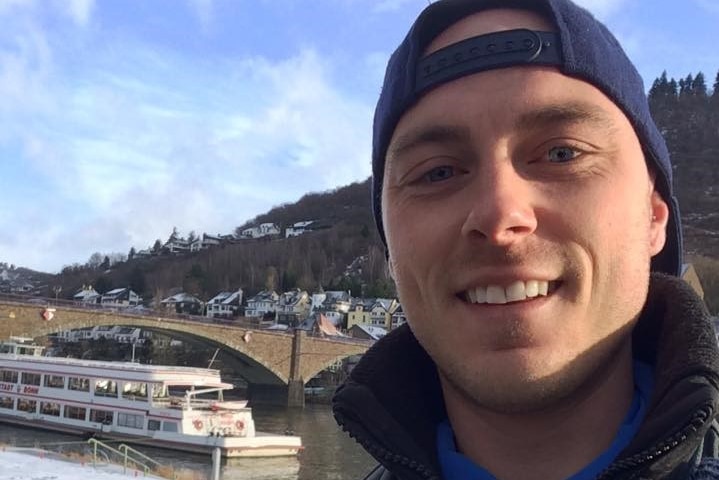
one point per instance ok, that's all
(105, 263)
(157, 246)
(715, 93)
(689, 85)
(132, 253)
(699, 86)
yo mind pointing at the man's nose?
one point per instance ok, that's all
(502, 209)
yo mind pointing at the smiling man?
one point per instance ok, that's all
(525, 198)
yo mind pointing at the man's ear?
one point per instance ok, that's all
(658, 224)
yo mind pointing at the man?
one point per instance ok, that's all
(524, 195)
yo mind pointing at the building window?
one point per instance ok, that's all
(25, 405)
(169, 426)
(106, 388)
(50, 408)
(79, 384)
(130, 420)
(77, 413)
(135, 391)
(30, 378)
(8, 376)
(54, 381)
(101, 416)
(7, 402)
(153, 425)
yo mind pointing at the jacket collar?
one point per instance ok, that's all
(392, 401)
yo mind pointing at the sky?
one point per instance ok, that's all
(121, 119)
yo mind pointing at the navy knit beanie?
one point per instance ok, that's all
(582, 48)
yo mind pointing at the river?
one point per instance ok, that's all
(329, 453)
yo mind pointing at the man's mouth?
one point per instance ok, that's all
(517, 291)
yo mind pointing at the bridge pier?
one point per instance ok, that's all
(292, 395)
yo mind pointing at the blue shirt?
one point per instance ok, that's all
(454, 465)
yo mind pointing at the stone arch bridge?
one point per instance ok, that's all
(275, 364)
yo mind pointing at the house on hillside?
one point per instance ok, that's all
(293, 307)
(334, 304)
(262, 304)
(366, 332)
(204, 242)
(319, 325)
(120, 297)
(183, 303)
(398, 317)
(377, 312)
(299, 228)
(176, 245)
(263, 230)
(225, 305)
(87, 296)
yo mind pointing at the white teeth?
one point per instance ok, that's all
(472, 295)
(515, 292)
(532, 289)
(496, 294)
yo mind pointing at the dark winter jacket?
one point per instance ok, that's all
(392, 402)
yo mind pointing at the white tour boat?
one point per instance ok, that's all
(173, 407)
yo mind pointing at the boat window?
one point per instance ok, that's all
(169, 426)
(81, 384)
(135, 391)
(130, 420)
(9, 376)
(153, 425)
(101, 416)
(25, 405)
(7, 402)
(77, 413)
(159, 390)
(50, 408)
(106, 388)
(30, 378)
(54, 381)
(4, 348)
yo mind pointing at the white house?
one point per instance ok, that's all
(177, 245)
(204, 242)
(261, 304)
(120, 297)
(87, 295)
(293, 307)
(298, 228)
(263, 230)
(224, 304)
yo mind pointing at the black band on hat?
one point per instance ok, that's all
(486, 52)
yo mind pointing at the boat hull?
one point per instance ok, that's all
(262, 445)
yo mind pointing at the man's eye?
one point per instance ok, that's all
(562, 154)
(439, 173)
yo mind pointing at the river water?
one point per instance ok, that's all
(329, 453)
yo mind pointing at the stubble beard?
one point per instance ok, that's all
(520, 391)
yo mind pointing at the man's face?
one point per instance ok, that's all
(514, 183)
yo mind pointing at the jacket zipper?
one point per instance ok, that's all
(662, 448)
(388, 456)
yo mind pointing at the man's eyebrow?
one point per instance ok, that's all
(565, 114)
(430, 134)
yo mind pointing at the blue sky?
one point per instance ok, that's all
(120, 119)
